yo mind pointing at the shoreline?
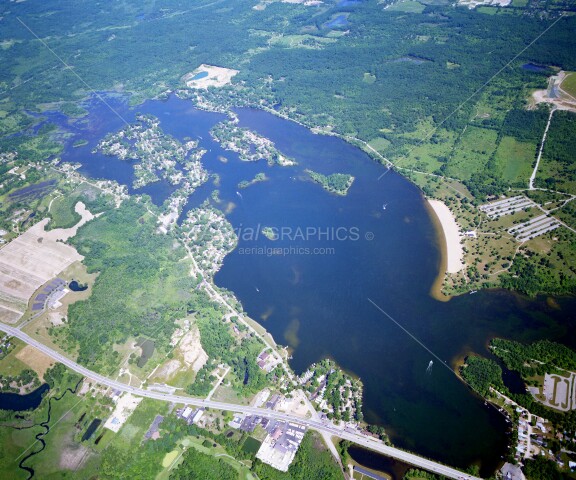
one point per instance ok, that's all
(452, 251)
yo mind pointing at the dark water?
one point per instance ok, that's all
(380, 463)
(338, 21)
(532, 67)
(319, 301)
(76, 287)
(37, 190)
(91, 429)
(19, 403)
(147, 347)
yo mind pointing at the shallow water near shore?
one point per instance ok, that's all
(375, 247)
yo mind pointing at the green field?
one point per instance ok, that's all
(10, 365)
(472, 152)
(514, 160)
(251, 445)
(63, 213)
(569, 84)
(407, 6)
(429, 156)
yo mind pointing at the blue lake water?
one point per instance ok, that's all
(19, 403)
(531, 67)
(200, 75)
(338, 21)
(317, 298)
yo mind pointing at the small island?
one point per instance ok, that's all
(79, 143)
(249, 145)
(338, 183)
(270, 233)
(259, 177)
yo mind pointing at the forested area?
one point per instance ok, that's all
(142, 286)
(241, 355)
(338, 183)
(535, 358)
(540, 468)
(529, 360)
(199, 466)
(532, 277)
(526, 125)
(558, 166)
(424, 64)
(481, 374)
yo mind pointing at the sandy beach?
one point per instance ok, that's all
(451, 231)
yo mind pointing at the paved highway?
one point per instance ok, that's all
(360, 439)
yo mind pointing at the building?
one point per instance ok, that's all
(280, 446)
(512, 472)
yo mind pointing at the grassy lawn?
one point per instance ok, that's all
(300, 41)
(228, 394)
(514, 160)
(63, 213)
(487, 10)
(569, 84)
(10, 364)
(561, 174)
(427, 156)
(472, 151)
(407, 6)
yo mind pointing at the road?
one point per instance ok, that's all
(216, 297)
(324, 428)
(533, 176)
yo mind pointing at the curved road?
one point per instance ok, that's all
(363, 440)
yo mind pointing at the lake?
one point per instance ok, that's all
(532, 67)
(337, 22)
(19, 403)
(343, 259)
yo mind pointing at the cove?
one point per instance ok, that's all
(322, 298)
(19, 403)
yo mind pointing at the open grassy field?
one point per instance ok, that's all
(407, 6)
(428, 156)
(569, 84)
(514, 160)
(300, 41)
(11, 364)
(35, 359)
(472, 152)
(172, 459)
(62, 212)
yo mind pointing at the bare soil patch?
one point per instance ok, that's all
(36, 360)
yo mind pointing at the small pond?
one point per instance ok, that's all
(19, 403)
